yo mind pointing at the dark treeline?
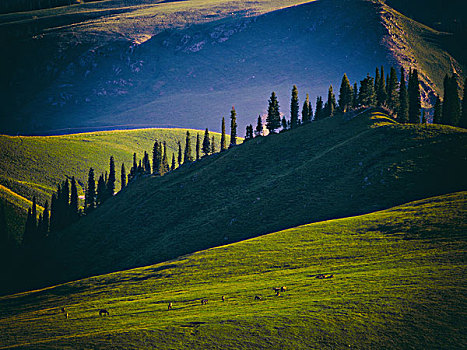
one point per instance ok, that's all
(10, 6)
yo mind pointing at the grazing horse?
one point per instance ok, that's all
(170, 306)
(283, 288)
(257, 297)
(276, 289)
(103, 312)
(204, 301)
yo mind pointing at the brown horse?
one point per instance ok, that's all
(103, 312)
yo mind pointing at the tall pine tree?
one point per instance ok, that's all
(198, 147)
(206, 143)
(273, 120)
(367, 96)
(319, 108)
(172, 168)
(392, 94)
(413, 91)
(111, 179)
(355, 96)
(73, 201)
(294, 108)
(165, 160)
(213, 145)
(188, 157)
(180, 159)
(330, 105)
(437, 115)
(259, 127)
(233, 127)
(345, 94)
(403, 112)
(223, 139)
(156, 158)
(122, 177)
(249, 132)
(381, 95)
(101, 190)
(451, 104)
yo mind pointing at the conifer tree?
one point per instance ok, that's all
(172, 168)
(367, 95)
(319, 108)
(223, 139)
(381, 95)
(413, 91)
(451, 104)
(249, 132)
(330, 105)
(122, 177)
(90, 195)
(188, 157)
(45, 219)
(294, 108)
(213, 145)
(403, 112)
(111, 179)
(463, 118)
(53, 213)
(259, 127)
(180, 159)
(273, 120)
(101, 190)
(392, 95)
(198, 147)
(147, 163)
(310, 111)
(437, 116)
(355, 96)
(206, 143)
(233, 127)
(63, 212)
(73, 201)
(307, 112)
(345, 94)
(156, 158)
(424, 120)
(284, 124)
(28, 230)
(376, 81)
(34, 214)
(160, 160)
(165, 160)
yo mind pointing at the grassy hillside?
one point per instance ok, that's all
(33, 166)
(184, 63)
(398, 283)
(328, 169)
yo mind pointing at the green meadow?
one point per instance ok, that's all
(398, 283)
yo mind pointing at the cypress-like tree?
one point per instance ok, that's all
(122, 177)
(463, 118)
(101, 190)
(381, 95)
(307, 112)
(156, 158)
(392, 94)
(367, 95)
(165, 160)
(319, 108)
(206, 143)
(111, 179)
(45, 219)
(249, 132)
(213, 145)
(34, 214)
(355, 96)
(451, 104)
(223, 139)
(273, 120)
(294, 108)
(172, 168)
(345, 94)
(403, 112)
(198, 147)
(147, 163)
(330, 105)
(53, 213)
(413, 91)
(188, 157)
(180, 159)
(73, 201)
(376, 81)
(284, 124)
(310, 111)
(259, 127)
(63, 212)
(90, 195)
(233, 127)
(28, 230)
(134, 169)
(437, 115)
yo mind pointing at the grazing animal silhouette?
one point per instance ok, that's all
(257, 297)
(283, 288)
(103, 312)
(276, 289)
(66, 315)
(223, 298)
(329, 276)
(170, 306)
(278, 293)
(320, 276)
(62, 309)
(204, 301)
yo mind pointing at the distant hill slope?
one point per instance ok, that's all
(398, 283)
(327, 169)
(186, 63)
(33, 166)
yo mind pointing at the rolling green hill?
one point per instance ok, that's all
(398, 283)
(328, 169)
(184, 63)
(33, 166)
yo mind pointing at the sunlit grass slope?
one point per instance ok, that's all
(33, 166)
(328, 169)
(398, 283)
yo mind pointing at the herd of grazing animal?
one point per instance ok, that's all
(277, 290)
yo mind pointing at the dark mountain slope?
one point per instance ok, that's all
(328, 169)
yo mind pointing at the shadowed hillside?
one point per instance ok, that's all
(398, 284)
(185, 63)
(323, 170)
